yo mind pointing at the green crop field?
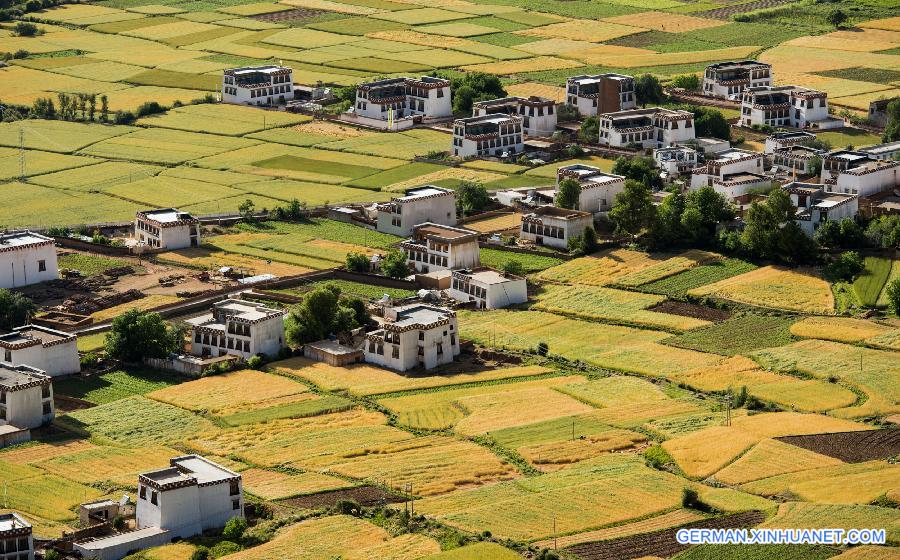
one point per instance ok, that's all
(869, 284)
(679, 284)
(120, 384)
(743, 333)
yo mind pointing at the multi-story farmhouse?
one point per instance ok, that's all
(889, 150)
(419, 205)
(675, 160)
(51, 351)
(538, 113)
(836, 162)
(16, 541)
(867, 179)
(238, 328)
(598, 188)
(435, 247)
(191, 496)
(815, 205)
(726, 79)
(398, 98)
(258, 85)
(488, 135)
(732, 173)
(488, 288)
(553, 227)
(167, 228)
(653, 127)
(26, 397)
(797, 159)
(792, 106)
(786, 139)
(26, 258)
(600, 93)
(412, 336)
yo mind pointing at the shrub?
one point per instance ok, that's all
(51, 554)
(150, 108)
(234, 529)
(90, 360)
(357, 262)
(347, 507)
(741, 398)
(893, 295)
(255, 362)
(201, 553)
(686, 81)
(394, 265)
(657, 457)
(224, 548)
(25, 29)
(847, 266)
(543, 348)
(690, 499)
(513, 267)
(118, 523)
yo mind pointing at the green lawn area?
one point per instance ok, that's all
(868, 285)
(116, 385)
(496, 258)
(89, 265)
(840, 139)
(91, 342)
(740, 334)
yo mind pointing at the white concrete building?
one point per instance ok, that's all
(726, 79)
(653, 127)
(16, 540)
(26, 397)
(867, 179)
(412, 336)
(553, 227)
(600, 93)
(836, 162)
(598, 188)
(419, 205)
(435, 247)
(786, 139)
(732, 173)
(488, 288)
(891, 150)
(675, 160)
(488, 135)
(706, 145)
(398, 98)
(815, 205)
(51, 351)
(797, 159)
(179, 502)
(258, 85)
(26, 258)
(792, 106)
(167, 228)
(238, 328)
(538, 113)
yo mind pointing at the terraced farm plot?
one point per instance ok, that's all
(478, 551)
(98, 176)
(497, 258)
(610, 346)
(314, 194)
(86, 14)
(669, 267)
(40, 451)
(404, 145)
(57, 136)
(135, 421)
(519, 509)
(816, 516)
(664, 521)
(600, 269)
(496, 223)
(869, 552)
(771, 458)
(420, 16)
(305, 38)
(790, 392)
(895, 273)
(869, 284)
(758, 552)
(232, 392)
(364, 380)
(665, 21)
(42, 495)
(874, 372)
(231, 120)
(774, 287)
(274, 485)
(739, 334)
(115, 385)
(477, 410)
(838, 329)
(100, 464)
(339, 536)
(37, 163)
(822, 475)
(213, 258)
(463, 29)
(170, 192)
(582, 30)
(509, 67)
(366, 291)
(165, 146)
(617, 306)
(39, 206)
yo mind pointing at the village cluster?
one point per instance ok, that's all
(420, 333)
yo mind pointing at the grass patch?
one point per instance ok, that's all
(869, 284)
(737, 335)
(120, 384)
(368, 291)
(758, 552)
(498, 258)
(89, 265)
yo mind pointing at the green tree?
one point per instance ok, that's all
(710, 122)
(104, 108)
(648, 90)
(846, 266)
(584, 244)
(837, 17)
(246, 210)
(15, 309)
(234, 529)
(642, 169)
(704, 210)
(25, 29)
(513, 267)
(394, 265)
(844, 233)
(667, 229)
(472, 196)
(135, 335)
(633, 210)
(321, 313)
(892, 128)
(772, 233)
(568, 193)
(357, 262)
(589, 130)
(689, 82)
(893, 295)
(884, 231)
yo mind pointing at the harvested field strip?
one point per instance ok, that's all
(364, 495)
(675, 518)
(679, 284)
(669, 267)
(660, 543)
(100, 464)
(816, 516)
(599, 269)
(782, 484)
(364, 380)
(36, 452)
(312, 405)
(774, 287)
(839, 329)
(851, 447)
(617, 306)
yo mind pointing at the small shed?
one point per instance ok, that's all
(332, 353)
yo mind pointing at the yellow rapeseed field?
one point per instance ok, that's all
(363, 379)
(771, 458)
(233, 392)
(839, 329)
(666, 21)
(775, 287)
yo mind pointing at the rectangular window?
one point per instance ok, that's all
(143, 492)
(7, 356)
(235, 505)
(154, 498)
(234, 488)
(48, 408)
(42, 266)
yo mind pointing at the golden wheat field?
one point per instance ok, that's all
(233, 392)
(771, 458)
(275, 485)
(774, 287)
(839, 329)
(657, 523)
(582, 30)
(779, 484)
(870, 552)
(793, 515)
(35, 452)
(101, 464)
(664, 21)
(599, 269)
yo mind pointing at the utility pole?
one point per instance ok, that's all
(554, 533)
(573, 430)
(728, 410)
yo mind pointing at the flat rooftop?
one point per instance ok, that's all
(120, 539)
(446, 232)
(790, 135)
(13, 376)
(743, 176)
(418, 314)
(203, 469)
(426, 190)
(493, 118)
(487, 276)
(736, 64)
(332, 347)
(594, 78)
(882, 148)
(733, 154)
(22, 239)
(34, 333)
(167, 215)
(832, 201)
(554, 212)
(849, 155)
(12, 521)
